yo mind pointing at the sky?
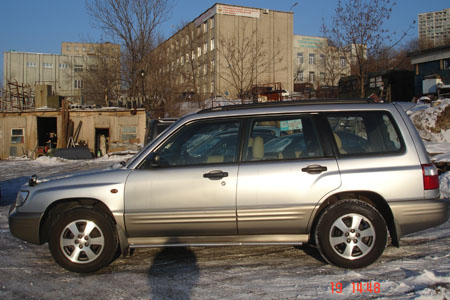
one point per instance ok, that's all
(41, 25)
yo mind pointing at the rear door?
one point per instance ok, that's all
(281, 180)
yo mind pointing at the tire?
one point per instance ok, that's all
(351, 234)
(83, 240)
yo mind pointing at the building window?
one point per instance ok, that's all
(75, 48)
(300, 76)
(213, 63)
(78, 84)
(68, 47)
(322, 77)
(129, 133)
(63, 66)
(17, 136)
(199, 51)
(211, 22)
(343, 62)
(212, 87)
(48, 65)
(212, 44)
(311, 76)
(299, 58)
(322, 59)
(78, 68)
(312, 58)
(31, 64)
(205, 47)
(84, 48)
(205, 27)
(446, 64)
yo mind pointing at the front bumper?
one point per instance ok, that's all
(24, 226)
(413, 216)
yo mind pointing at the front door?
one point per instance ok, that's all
(192, 190)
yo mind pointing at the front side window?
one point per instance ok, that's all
(366, 132)
(17, 136)
(202, 143)
(312, 58)
(283, 139)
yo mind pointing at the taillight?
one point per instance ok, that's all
(430, 177)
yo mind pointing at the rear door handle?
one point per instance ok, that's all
(314, 169)
(215, 175)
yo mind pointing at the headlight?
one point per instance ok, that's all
(22, 196)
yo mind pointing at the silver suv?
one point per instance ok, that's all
(340, 175)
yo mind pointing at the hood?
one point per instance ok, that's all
(89, 177)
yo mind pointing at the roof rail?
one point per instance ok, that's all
(288, 103)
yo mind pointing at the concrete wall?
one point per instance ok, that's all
(273, 30)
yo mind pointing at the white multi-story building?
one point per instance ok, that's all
(65, 73)
(434, 27)
(317, 63)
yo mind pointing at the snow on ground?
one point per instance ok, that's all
(419, 269)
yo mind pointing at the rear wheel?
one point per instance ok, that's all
(83, 240)
(351, 234)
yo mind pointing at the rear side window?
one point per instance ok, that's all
(282, 138)
(365, 132)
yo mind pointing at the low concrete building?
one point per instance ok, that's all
(103, 131)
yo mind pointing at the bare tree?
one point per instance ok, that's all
(391, 59)
(247, 58)
(101, 78)
(163, 82)
(134, 24)
(360, 24)
(425, 43)
(334, 62)
(189, 66)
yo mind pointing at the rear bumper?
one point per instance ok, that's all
(413, 216)
(25, 226)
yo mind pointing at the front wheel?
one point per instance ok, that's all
(351, 234)
(83, 240)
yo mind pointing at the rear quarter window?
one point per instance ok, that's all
(365, 133)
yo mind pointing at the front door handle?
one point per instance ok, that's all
(215, 175)
(314, 169)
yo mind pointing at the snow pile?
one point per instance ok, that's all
(444, 186)
(433, 123)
